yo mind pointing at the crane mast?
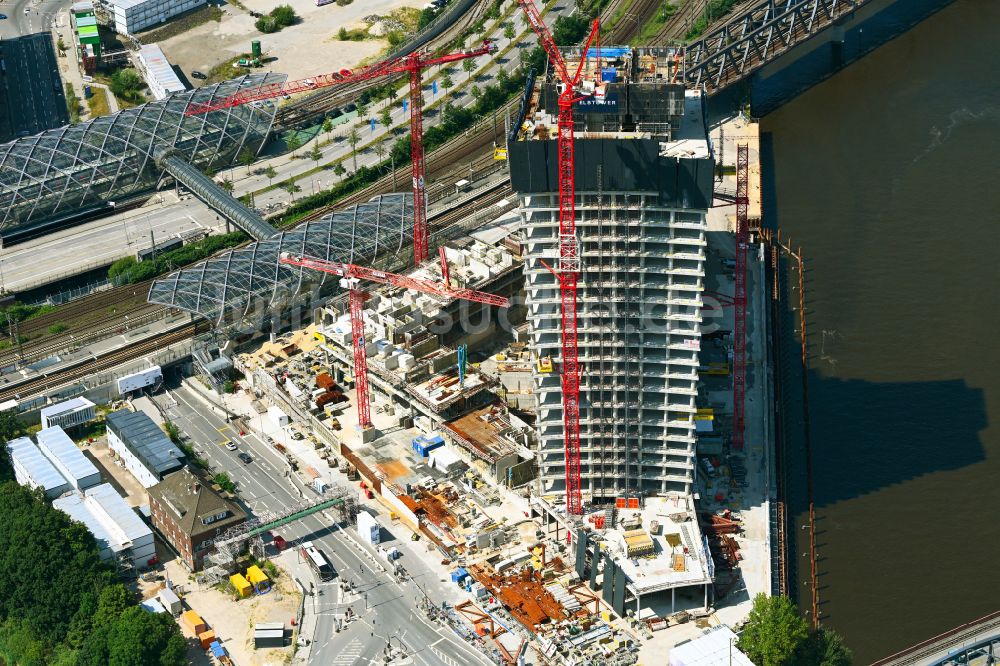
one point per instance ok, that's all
(740, 297)
(569, 253)
(412, 65)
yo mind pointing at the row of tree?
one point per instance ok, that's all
(60, 605)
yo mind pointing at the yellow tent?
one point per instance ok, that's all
(241, 584)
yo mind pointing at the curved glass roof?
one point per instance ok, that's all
(249, 281)
(70, 169)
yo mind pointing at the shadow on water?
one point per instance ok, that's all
(891, 433)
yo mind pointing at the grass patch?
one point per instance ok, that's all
(181, 24)
(715, 9)
(616, 17)
(353, 35)
(663, 14)
(72, 104)
(98, 103)
(408, 16)
(225, 71)
(57, 328)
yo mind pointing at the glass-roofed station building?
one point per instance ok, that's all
(245, 285)
(62, 174)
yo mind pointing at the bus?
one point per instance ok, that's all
(318, 561)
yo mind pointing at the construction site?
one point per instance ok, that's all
(444, 394)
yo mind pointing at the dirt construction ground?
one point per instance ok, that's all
(233, 621)
(307, 48)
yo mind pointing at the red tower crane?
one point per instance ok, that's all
(352, 275)
(569, 253)
(411, 64)
(740, 297)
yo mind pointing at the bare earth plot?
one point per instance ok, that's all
(307, 48)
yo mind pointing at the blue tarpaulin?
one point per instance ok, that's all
(609, 51)
(217, 650)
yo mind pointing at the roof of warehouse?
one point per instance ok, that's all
(106, 515)
(146, 440)
(35, 464)
(159, 68)
(56, 444)
(66, 406)
(129, 4)
(716, 647)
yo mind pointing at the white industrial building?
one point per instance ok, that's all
(132, 16)
(159, 75)
(120, 534)
(33, 469)
(643, 183)
(68, 413)
(146, 451)
(67, 458)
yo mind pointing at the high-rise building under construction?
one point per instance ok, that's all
(643, 179)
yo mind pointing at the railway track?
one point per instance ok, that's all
(639, 13)
(77, 337)
(89, 366)
(677, 27)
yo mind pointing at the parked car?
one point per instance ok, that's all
(245, 457)
(198, 75)
(3, 17)
(230, 446)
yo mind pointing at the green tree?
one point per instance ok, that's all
(469, 65)
(380, 149)
(475, 91)
(774, 632)
(11, 427)
(426, 17)
(293, 143)
(283, 15)
(327, 126)
(316, 155)
(225, 482)
(267, 24)
(111, 603)
(508, 30)
(173, 431)
(353, 138)
(48, 562)
(342, 34)
(446, 81)
(227, 185)
(825, 647)
(291, 188)
(121, 268)
(270, 172)
(126, 84)
(385, 117)
(338, 169)
(247, 157)
(139, 638)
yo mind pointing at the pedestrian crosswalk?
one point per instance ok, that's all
(349, 654)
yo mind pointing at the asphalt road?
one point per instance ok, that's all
(101, 242)
(385, 611)
(38, 18)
